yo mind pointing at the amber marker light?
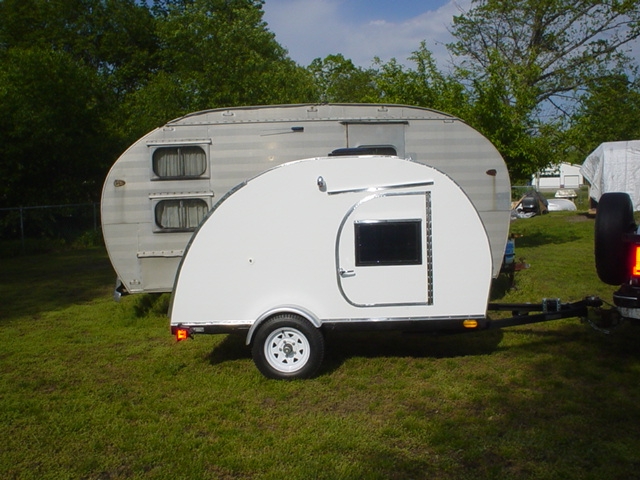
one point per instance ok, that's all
(635, 269)
(470, 324)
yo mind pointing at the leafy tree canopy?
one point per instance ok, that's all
(82, 79)
(548, 47)
(526, 61)
(544, 80)
(609, 111)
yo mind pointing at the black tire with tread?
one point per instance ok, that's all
(614, 219)
(301, 326)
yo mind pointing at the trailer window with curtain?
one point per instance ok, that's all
(171, 163)
(180, 215)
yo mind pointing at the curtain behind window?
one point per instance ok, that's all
(175, 162)
(185, 214)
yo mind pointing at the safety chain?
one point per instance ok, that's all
(615, 320)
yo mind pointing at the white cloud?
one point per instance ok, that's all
(316, 28)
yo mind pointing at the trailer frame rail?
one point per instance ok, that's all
(547, 310)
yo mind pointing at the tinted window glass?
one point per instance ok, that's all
(388, 243)
(364, 150)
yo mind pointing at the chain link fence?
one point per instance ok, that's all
(41, 228)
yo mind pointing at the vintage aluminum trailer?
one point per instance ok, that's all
(161, 188)
(356, 242)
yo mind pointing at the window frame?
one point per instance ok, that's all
(393, 257)
(158, 227)
(155, 147)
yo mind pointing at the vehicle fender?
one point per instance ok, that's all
(296, 310)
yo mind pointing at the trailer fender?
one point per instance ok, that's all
(296, 310)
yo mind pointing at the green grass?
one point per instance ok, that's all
(93, 389)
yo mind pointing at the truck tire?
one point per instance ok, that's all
(288, 347)
(614, 219)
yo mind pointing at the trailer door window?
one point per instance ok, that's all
(393, 242)
(170, 163)
(181, 215)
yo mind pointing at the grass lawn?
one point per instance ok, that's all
(93, 389)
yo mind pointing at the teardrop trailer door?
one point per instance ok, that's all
(386, 230)
(333, 243)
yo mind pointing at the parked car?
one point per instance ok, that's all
(532, 203)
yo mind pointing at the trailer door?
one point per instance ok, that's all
(383, 251)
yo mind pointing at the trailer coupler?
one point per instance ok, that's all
(549, 309)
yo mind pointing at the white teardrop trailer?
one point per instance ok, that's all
(403, 226)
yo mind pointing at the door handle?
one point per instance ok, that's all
(347, 273)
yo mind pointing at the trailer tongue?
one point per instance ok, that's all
(548, 309)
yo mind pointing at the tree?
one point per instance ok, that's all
(551, 47)
(214, 53)
(81, 79)
(425, 85)
(337, 79)
(114, 37)
(52, 131)
(524, 62)
(609, 111)
(65, 68)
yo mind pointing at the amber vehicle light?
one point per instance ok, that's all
(182, 334)
(635, 268)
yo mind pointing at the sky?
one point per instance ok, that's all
(362, 29)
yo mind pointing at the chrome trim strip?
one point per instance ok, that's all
(243, 324)
(296, 310)
(222, 323)
(177, 195)
(178, 142)
(376, 121)
(425, 183)
(403, 319)
(429, 252)
(160, 253)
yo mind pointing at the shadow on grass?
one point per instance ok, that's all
(502, 285)
(35, 284)
(342, 346)
(545, 230)
(622, 341)
(231, 348)
(544, 238)
(339, 347)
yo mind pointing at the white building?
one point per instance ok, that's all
(563, 175)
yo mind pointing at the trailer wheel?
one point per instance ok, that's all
(288, 347)
(614, 219)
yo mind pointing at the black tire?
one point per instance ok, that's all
(288, 347)
(614, 219)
